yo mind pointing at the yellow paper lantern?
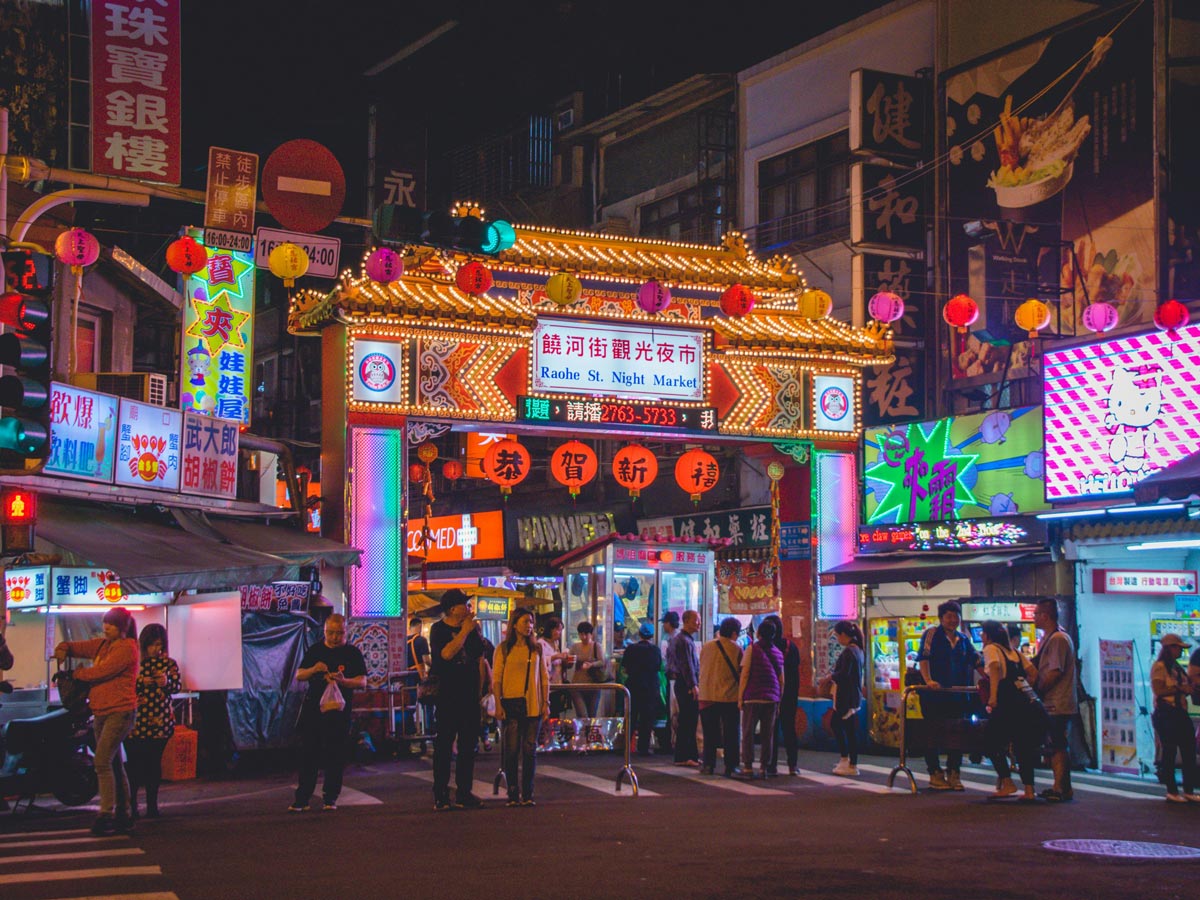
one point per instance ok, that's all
(815, 304)
(564, 288)
(1032, 316)
(289, 262)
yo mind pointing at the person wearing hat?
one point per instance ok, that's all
(457, 650)
(1171, 722)
(642, 662)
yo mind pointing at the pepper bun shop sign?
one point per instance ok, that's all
(1144, 581)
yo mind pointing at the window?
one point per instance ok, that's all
(87, 343)
(803, 195)
(697, 214)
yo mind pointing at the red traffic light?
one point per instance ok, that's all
(19, 507)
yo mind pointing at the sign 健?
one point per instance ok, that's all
(750, 527)
(83, 433)
(323, 252)
(232, 191)
(795, 540)
(887, 114)
(27, 587)
(379, 368)
(136, 121)
(210, 456)
(1144, 581)
(835, 404)
(454, 538)
(577, 356)
(148, 446)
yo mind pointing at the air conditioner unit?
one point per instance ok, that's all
(146, 387)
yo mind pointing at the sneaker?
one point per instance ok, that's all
(528, 801)
(329, 807)
(1171, 798)
(104, 826)
(844, 768)
(470, 801)
(1005, 788)
(794, 770)
(513, 801)
(297, 808)
(955, 780)
(442, 806)
(1192, 798)
(938, 782)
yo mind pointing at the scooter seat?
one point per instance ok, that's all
(23, 734)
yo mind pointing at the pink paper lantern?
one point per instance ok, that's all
(886, 306)
(1100, 317)
(77, 248)
(384, 265)
(653, 297)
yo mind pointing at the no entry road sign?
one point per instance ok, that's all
(303, 185)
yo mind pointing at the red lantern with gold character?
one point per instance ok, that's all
(506, 463)
(417, 473)
(737, 301)
(635, 468)
(452, 470)
(574, 464)
(473, 278)
(960, 312)
(186, 256)
(427, 452)
(696, 472)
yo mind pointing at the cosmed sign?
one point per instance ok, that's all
(575, 356)
(1120, 410)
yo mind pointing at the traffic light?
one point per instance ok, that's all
(395, 224)
(25, 347)
(18, 516)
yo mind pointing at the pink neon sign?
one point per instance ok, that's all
(1119, 411)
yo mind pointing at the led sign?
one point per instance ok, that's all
(454, 538)
(969, 534)
(607, 413)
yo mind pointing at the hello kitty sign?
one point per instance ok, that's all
(1119, 411)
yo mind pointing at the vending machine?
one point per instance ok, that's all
(894, 644)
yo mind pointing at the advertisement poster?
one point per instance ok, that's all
(378, 371)
(218, 337)
(1053, 141)
(1118, 411)
(979, 466)
(746, 588)
(210, 456)
(833, 403)
(83, 438)
(1118, 709)
(148, 446)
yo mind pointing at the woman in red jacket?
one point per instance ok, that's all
(113, 699)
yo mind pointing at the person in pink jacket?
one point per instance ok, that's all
(113, 698)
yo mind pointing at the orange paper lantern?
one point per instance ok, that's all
(417, 473)
(635, 468)
(427, 452)
(574, 464)
(506, 463)
(696, 472)
(452, 470)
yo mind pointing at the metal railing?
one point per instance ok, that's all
(903, 764)
(626, 772)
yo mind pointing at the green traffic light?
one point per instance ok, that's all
(21, 436)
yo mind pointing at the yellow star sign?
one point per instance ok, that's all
(217, 324)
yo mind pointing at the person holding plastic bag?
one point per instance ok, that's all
(332, 669)
(521, 687)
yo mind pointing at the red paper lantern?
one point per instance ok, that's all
(186, 256)
(452, 470)
(427, 452)
(417, 473)
(574, 464)
(1170, 317)
(635, 468)
(960, 312)
(506, 463)
(737, 301)
(696, 472)
(473, 278)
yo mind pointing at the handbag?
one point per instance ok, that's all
(332, 700)
(72, 693)
(518, 707)
(597, 674)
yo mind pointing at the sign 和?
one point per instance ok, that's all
(83, 433)
(148, 440)
(887, 114)
(232, 190)
(210, 456)
(1144, 581)
(749, 527)
(887, 207)
(136, 125)
(576, 356)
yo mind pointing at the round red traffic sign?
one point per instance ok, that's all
(303, 185)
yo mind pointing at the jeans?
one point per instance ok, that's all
(110, 730)
(144, 768)
(1176, 735)
(520, 742)
(720, 721)
(457, 718)
(846, 733)
(323, 741)
(689, 717)
(785, 733)
(762, 714)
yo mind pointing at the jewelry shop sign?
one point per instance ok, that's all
(579, 356)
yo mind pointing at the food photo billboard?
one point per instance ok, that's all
(1053, 141)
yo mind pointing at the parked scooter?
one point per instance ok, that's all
(47, 754)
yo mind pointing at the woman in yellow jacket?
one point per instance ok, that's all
(521, 686)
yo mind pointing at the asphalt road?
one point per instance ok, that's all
(685, 836)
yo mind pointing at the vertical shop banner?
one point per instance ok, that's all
(888, 115)
(895, 391)
(210, 456)
(967, 467)
(835, 488)
(218, 337)
(148, 446)
(887, 207)
(1118, 709)
(1053, 142)
(136, 123)
(83, 433)
(231, 192)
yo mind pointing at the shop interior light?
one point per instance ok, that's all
(1151, 508)
(1073, 514)
(630, 570)
(58, 610)
(1190, 544)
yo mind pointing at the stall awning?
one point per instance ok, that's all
(895, 567)
(282, 540)
(150, 553)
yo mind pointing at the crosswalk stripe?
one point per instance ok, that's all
(989, 787)
(152, 895)
(32, 834)
(603, 785)
(351, 797)
(83, 854)
(725, 784)
(54, 843)
(74, 874)
(1087, 787)
(852, 784)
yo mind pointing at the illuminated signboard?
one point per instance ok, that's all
(218, 337)
(378, 368)
(611, 412)
(83, 433)
(979, 466)
(1143, 581)
(968, 534)
(1120, 410)
(84, 586)
(834, 492)
(210, 456)
(148, 446)
(25, 588)
(577, 356)
(1001, 612)
(454, 538)
(491, 609)
(834, 407)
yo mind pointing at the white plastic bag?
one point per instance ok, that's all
(332, 700)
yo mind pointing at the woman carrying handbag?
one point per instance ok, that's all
(1015, 714)
(521, 685)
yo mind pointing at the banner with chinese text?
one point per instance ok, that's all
(750, 527)
(136, 117)
(83, 438)
(746, 588)
(231, 191)
(210, 456)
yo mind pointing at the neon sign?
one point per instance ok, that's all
(968, 534)
(605, 413)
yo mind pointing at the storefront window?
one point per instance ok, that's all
(682, 591)
(635, 601)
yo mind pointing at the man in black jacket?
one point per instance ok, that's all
(642, 662)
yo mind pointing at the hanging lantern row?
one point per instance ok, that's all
(1170, 317)
(186, 256)
(886, 307)
(697, 472)
(76, 248)
(288, 261)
